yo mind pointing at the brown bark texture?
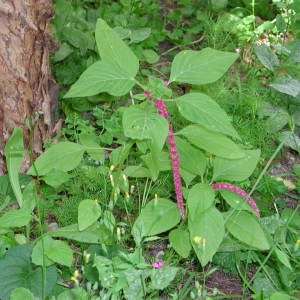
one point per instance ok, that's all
(25, 76)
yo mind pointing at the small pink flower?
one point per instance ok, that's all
(166, 83)
(238, 191)
(158, 264)
(148, 94)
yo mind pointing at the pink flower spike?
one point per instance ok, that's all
(158, 264)
(148, 94)
(162, 110)
(238, 191)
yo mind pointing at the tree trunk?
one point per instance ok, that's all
(25, 76)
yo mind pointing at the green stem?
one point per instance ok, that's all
(265, 169)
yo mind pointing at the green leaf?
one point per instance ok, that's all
(92, 148)
(141, 124)
(200, 67)
(283, 258)
(235, 201)
(245, 227)
(280, 296)
(89, 212)
(161, 278)
(267, 57)
(291, 140)
(192, 159)
(53, 250)
(64, 156)
(200, 198)
(150, 56)
(180, 241)
(113, 50)
(140, 34)
(21, 293)
(19, 272)
(13, 152)
(91, 235)
(201, 109)
(208, 225)
(212, 142)
(236, 169)
(159, 215)
(102, 76)
(56, 177)
(15, 218)
(156, 162)
(289, 86)
(137, 171)
(78, 38)
(77, 293)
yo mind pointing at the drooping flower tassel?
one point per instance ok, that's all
(238, 191)
(174, 156)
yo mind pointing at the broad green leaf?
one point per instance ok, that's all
(180, 241)
(78, 38)
(137, 171)
(112, 49)
(289, 86)
(150, 56)
(236, 169)
(139, 35)
(13, 152)
(141, 124)
(201, 67)
(15, 218)
(245, 227)
(53, 251)
(187, 176)
(56, 177)
(200, 198)
(19, 272)
(156, 162)
(159, 215)
(212, 142)
(21, 293)
(291, 140)
(77, 293)
(191, 159)
(64, 156)
(134, 289)
(102, 76)
(206, 233)
(201, 109)
(161, 278)
(267, 57)
(283, 258)
(89, 212)
(30, 197)
(235, 201)
(92, 148)
(280, 296)
(91, 235)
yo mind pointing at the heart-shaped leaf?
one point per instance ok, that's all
(159, 215)
(201, 109)
(245, 227)
(19, 272)
(89, 212)
(64, 156)
(200, 67)
(212, 142)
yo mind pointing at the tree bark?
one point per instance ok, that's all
(25, 76)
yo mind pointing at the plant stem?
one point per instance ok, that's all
(265, 169)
